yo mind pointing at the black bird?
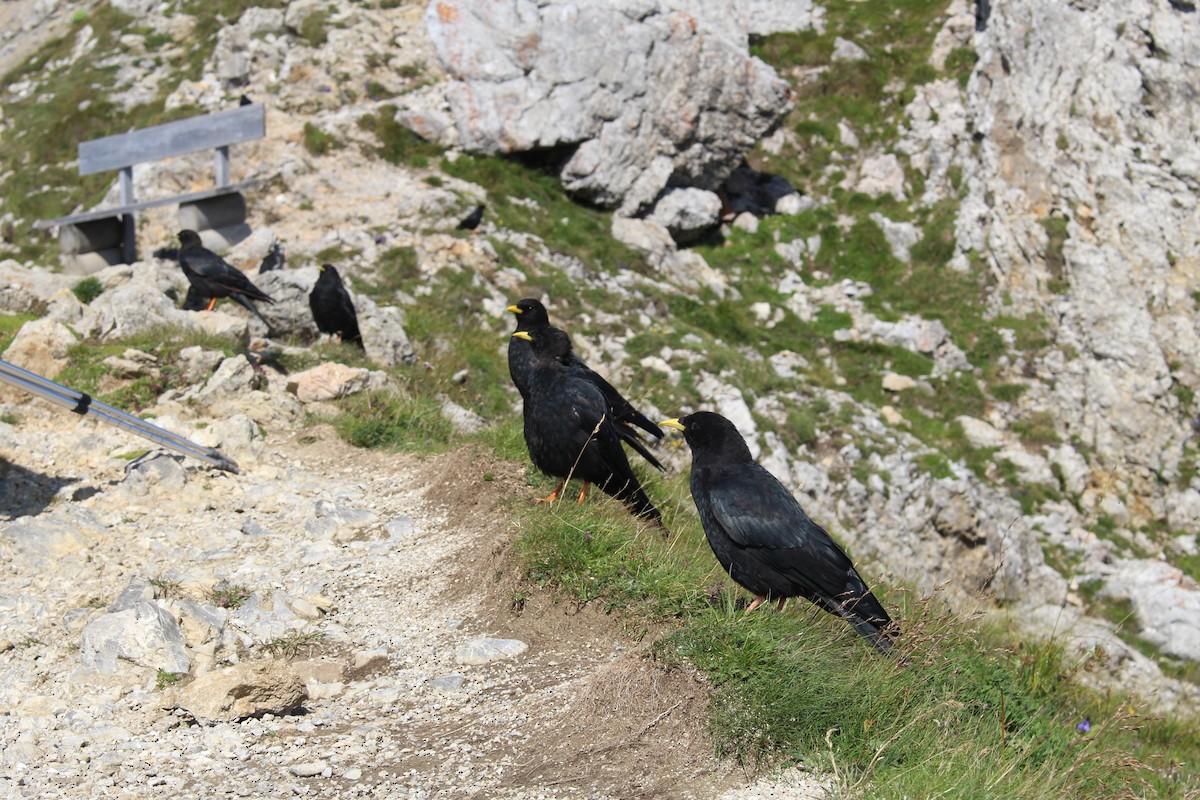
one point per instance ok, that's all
(568, 430)
(763, 538)
(471, 221)
(533, 319)
(332, 308)
(274, 259)
(195, 301)
(211, 277)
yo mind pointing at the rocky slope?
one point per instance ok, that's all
(1065, 156)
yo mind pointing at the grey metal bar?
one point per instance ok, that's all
(83, 403)
(113, 211)
(221, 166)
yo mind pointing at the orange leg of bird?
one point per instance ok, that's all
(212, 302)
(782, 602)
(757, 602)
(550, 498)
(583, 494)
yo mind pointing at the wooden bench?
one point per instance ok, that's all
(113, 227)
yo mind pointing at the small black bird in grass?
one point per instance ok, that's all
(211, 277)
(533, 319)
(763, 538)
(332, 307)
(274, 259)
(568, 430)
(471, 221)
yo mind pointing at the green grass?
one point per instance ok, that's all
(87, 290)
(86, 371)
(966, 710)
(317, 141)
(229, 595)
(565, 226)
(394, 421)
(10, 324)
(397, 144)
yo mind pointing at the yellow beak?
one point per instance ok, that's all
(672, 423)
(514, 310)
(524, 335)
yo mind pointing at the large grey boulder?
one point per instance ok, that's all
(637, 93)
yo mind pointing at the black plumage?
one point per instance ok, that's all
(533, 319)
(471, 221)
(211, 277)
(195, 300)
(333, 308)
(568, 429)
(763, 538)
(274, 259)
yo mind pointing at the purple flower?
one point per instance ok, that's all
(1084, 726)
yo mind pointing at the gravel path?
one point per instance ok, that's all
(367, 574)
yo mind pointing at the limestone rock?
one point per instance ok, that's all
(980, 433)
(643, 94)
(332, 380)
(687, 213)
(1165, 601)
(244, 690)
(900, 236)
(484, 649)
(383, 334)
(143, 634)
(880, 175)
(41, 346)
(846, 50)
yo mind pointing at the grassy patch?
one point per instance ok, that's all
(10, 324)
(397, 144)
(564, 225)
(229, 595)
(86, 371)
(87, 290)
(317, 141)
(393, 421)
(965, 711)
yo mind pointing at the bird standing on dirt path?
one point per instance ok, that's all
(212, 277)
(568, 430)
(471, 221)
(533, 319)
(763, 538)
(332, 307)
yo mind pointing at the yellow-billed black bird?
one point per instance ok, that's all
(332, 307)
(568, 429)
(211, 277)
(763, 538)
(533, 319)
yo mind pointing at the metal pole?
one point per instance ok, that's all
(82, 403)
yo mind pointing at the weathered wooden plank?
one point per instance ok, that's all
(219, 129)
(116, 211)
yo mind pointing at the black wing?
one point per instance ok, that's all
(221, 279)
(775, 543)
(622, 410)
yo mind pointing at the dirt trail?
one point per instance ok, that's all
(413, 565)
